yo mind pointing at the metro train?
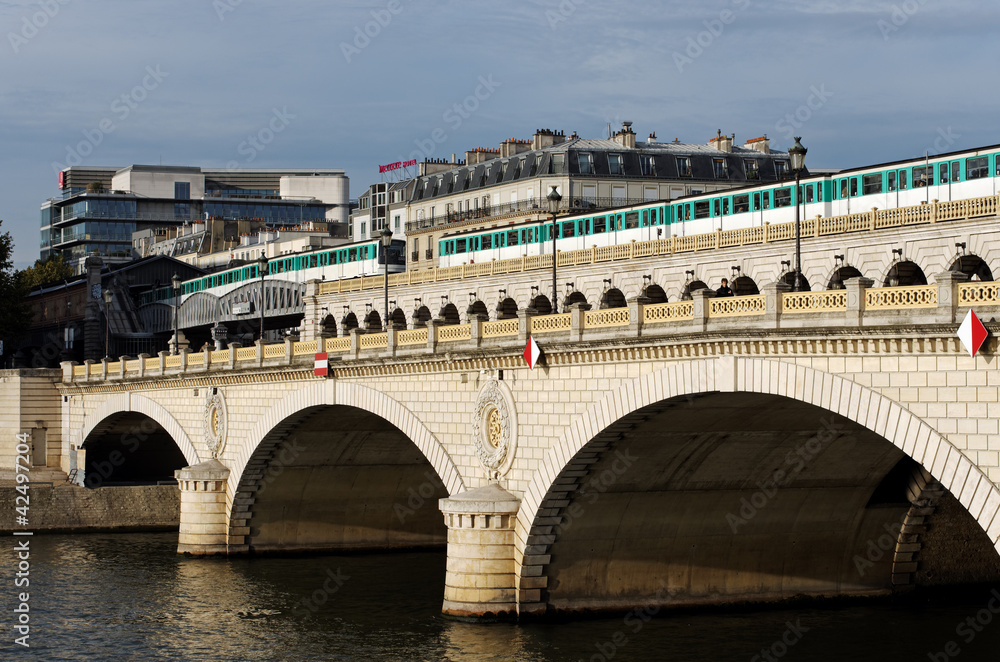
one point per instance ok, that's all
(345, 261)
(958, 175)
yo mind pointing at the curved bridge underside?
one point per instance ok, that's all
(737, 497)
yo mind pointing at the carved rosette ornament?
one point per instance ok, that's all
(494, 428)
(215, 424)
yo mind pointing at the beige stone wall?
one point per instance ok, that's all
(118, 508)
(30, 402)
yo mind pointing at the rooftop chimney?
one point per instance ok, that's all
(547, 138)
(625, 137)
(761, 144)
(721, 142)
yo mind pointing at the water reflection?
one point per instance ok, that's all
(129, 597)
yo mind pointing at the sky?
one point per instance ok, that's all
(310, 84)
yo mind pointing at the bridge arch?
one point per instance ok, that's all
(375, 402)
(866, 408)
(135, 403)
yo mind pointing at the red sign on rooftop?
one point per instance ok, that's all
(389, 167)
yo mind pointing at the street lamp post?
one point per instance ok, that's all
(386, 237)
(106, 295)
(797, 154)
(553, 197)
(262, 268)
(175, 282)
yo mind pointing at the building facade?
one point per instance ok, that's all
(99, 209)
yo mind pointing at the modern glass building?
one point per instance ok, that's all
(98, 208)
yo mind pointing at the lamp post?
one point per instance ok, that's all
(262, 268)
(553, 197)
(797, 154)
(175, 282)
(386, 237)
(106, 295)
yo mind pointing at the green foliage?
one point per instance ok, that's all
(14, 313)
(51, 270)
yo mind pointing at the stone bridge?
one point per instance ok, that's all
(756, 448)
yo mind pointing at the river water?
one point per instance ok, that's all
(130, 597)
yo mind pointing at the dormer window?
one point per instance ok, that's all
(751, 168)
(780, 169)
(615, 164)
(586, 162)
(683, 166)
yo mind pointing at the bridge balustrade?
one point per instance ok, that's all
(927, 304)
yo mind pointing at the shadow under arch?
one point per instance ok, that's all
(874, 413)
(135, 403)
(264, 446)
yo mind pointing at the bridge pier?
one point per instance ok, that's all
(480, 580)
(203, 527)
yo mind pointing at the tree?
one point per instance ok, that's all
(50, 270)
(14, 314)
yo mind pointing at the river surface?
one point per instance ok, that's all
(130, 597)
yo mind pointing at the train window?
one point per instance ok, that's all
(902, 180)
(631, 220)
(486, 242)
(725, 206)
(977, 168)
(890, 180)
(809, 193)
(600, 225)
(352, 254)
(569, 229)
(687, 212)
(652, 217)
(843, 188)
(460, 245)
(645, 218)
(783, 197)
(701, 209)
(922, 176)
(718, 207)
(854, 186)
(956, 171)
(872, 183)
(943, 173)
(512, 238)
(741, 204)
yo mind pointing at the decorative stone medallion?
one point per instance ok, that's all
(215, 424)
(494, 428)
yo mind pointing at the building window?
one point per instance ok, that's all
(646, 164)
(364, 226)
(557, 165)
(780, 169)
(719, 167)
(586, 162)
(517, 170)
(182, 190)
(751, 168)
(683, 166)
(615, 164)
(535, 166)
(395, 222)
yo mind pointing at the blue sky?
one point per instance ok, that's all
(355, 84)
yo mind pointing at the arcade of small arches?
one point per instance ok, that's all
(900, 273)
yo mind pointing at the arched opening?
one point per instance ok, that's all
(613, 298)
(788, 278)
(373, 322)
(574, 297)
(329, 327)
(130, 448)
(541, 304)
(398, 318)
(745, 497)
(506, 309)
(693, 286)
(972, 266)
(744, 286)
(655, 293)
(903, 274)
(349, 322)
(841, 276)
(337, 477)
(477, 308)
(449, 313)
(421, 316)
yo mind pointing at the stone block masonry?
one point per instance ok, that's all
(66, 508)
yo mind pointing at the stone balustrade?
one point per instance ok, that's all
(859, 305)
